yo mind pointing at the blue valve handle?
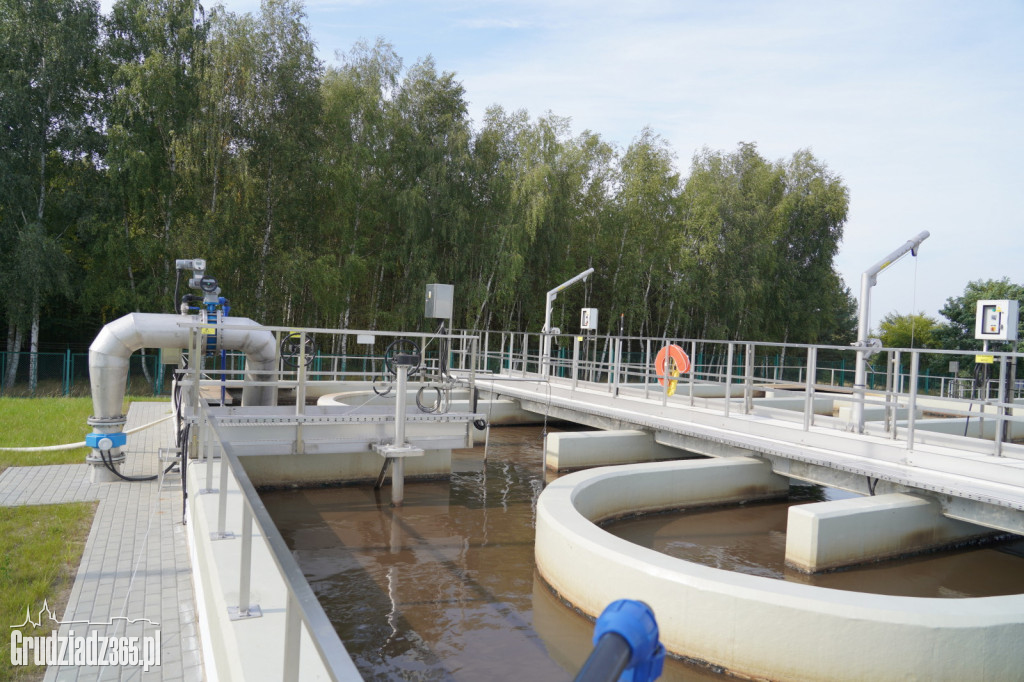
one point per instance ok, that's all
(626, 646)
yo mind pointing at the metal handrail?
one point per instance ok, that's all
(302, 601)
(519, 354)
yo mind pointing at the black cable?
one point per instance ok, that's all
(184, 480)
(442, 350)
(108, 460)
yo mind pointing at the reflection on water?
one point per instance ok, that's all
(444, 587)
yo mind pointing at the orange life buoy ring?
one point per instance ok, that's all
(680, 362)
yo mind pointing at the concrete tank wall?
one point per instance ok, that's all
(572, 450)
(828, 535)
(335, 468)
(756, 626)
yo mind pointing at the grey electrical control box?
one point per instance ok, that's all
(588, 319)
(440, 301)
(997, 320)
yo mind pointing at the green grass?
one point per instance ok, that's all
(31, 422)
(40, 546)
(40, 549)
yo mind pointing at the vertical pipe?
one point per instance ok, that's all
(860, 371)
(300, 389)
(398, 482)
(244, 573)
(400, 400)
(398, 465)
(915, 360)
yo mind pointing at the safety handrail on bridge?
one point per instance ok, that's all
(891, 390)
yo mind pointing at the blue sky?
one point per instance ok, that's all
(918, 106)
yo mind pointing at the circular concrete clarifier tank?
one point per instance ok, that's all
(752, 625)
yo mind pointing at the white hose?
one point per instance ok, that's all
(73, 446)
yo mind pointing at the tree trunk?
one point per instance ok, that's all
(265, 247)
(14, 334)
(33, 349)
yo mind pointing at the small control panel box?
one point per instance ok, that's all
(440, 301)
(997, 320)
(588, 319)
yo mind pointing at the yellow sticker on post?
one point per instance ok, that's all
(984, 359)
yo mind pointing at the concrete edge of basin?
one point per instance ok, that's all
(753, 625)
(240, 649)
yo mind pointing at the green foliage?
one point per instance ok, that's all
(330, 197)
(908, 331)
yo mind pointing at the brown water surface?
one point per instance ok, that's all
(752, 539)
(444, 588)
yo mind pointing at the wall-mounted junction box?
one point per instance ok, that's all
(440, 301)
(588, 319)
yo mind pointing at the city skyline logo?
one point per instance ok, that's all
(92, 649)
(51, 616)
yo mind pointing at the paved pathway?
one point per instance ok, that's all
(135, 577)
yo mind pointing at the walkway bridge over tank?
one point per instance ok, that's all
(955, 440)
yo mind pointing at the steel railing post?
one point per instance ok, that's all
(892, 392)
(748, 383)
(487, 350)
(647, 369)
(1000, 409)
(526, 352)
(292, 639)
(245, 609)
(575, 361)
(693, 370)
(209, 472)
(222, 505)
(728, 378)
(812, 371)
(915, 360)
